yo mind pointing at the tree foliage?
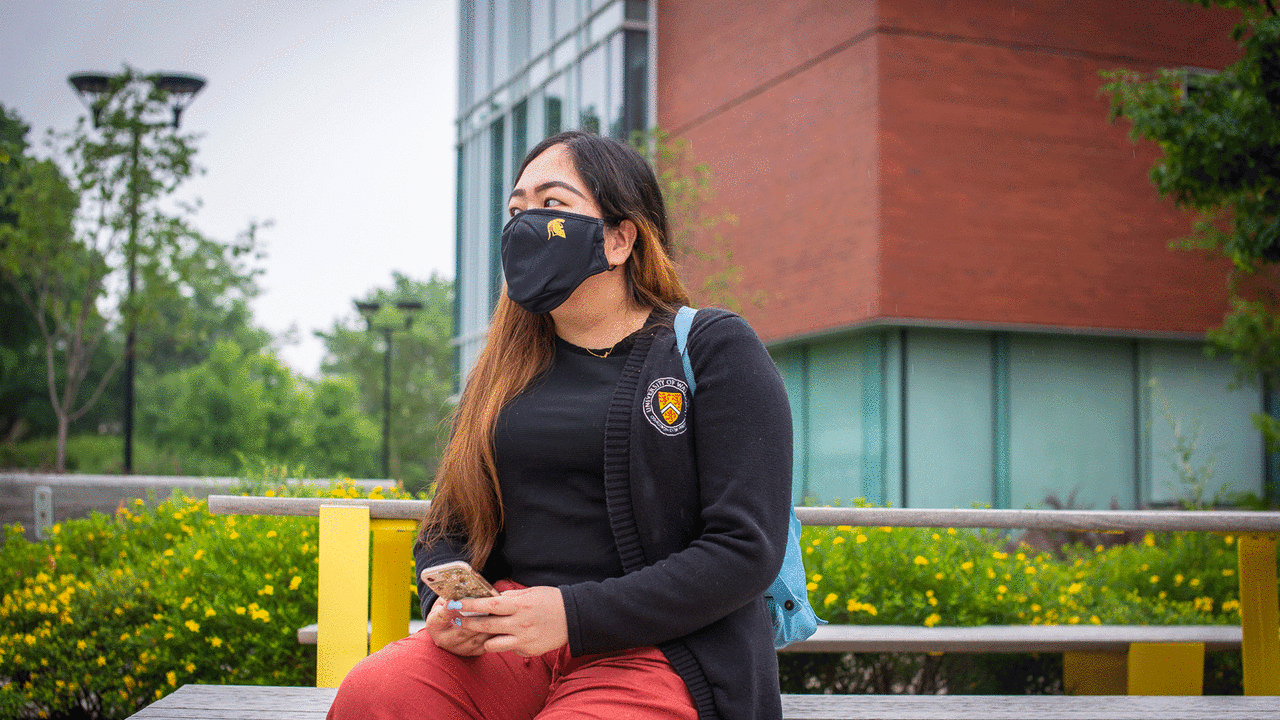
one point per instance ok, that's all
(70, 239)
(1220, 137)
(421, 371)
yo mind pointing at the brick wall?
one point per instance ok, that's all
(943, 161)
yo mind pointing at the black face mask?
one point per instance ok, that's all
(546, 254)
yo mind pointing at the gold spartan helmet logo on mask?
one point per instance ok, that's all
(555, 227)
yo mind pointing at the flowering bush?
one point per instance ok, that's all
(949, 577)
(111, 613)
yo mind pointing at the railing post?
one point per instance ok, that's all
(343, 606)
(1259, 614)
(392, 559)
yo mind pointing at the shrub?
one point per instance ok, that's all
(949, 577)
(111, 613)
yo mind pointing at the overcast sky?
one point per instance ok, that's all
(333, 119)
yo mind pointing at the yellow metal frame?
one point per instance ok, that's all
(360, 611)
(1259, 614)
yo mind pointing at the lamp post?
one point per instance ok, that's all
(369, 310)
(96, 90)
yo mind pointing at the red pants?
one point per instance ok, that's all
(412, 678)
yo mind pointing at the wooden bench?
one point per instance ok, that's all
(217, 702)
(349, 603)
(1097, 659)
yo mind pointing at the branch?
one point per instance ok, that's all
(93, 399)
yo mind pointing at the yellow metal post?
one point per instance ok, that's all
(343, 605)
(1166, 668)
(1093, 673)
(1259, 615)
(389, 587)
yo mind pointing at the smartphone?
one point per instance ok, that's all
(457, 581)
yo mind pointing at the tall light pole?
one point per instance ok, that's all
(96, 90)
(369, 310)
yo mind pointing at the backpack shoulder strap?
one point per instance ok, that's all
(684, 321)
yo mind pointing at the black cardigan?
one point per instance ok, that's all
(699, 503)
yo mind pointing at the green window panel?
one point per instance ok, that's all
(1190, 404)
(949, 419)
(791, 365)
(1071, 420)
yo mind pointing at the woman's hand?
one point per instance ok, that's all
(527, 622)
(448, 635)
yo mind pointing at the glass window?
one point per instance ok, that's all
(566, 18)
(1071, 421)
(467, 55)
(484, 49)
(635, 83)
(519, 35)
(539, 27)
(638, 10)
(792, 365)
(593, 90)
(556, 101)
(564, 54)
(501, 41)
(604, 23)
(948, 418)
(835, 423)
(498, 193)
(519, 139)
(1191, 406)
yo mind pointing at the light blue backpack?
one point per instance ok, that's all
(788, 597)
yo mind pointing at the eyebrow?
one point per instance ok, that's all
(548, 185)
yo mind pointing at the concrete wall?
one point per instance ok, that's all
(76, 496)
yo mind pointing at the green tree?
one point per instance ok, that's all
(67, 250)
(1220, 137)
(421, 373)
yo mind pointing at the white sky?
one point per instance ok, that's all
(333, 119)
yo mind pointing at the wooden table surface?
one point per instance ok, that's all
(228, 702)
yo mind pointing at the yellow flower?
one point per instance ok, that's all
(210, 612)
(1075, 588)
(1074, 620)
(199, 554)
(233, 535)
(920, 560)
(951, 531)
(838, 540)
(1177, 579)
(1002, 589)
(192, 625)
(811, 586)
(966, 565)
(216, 642)
(844, 528)
(1154, 579)
(1228, 572)
(81, 645)
(267, 590)
(1035, 607)
(295, 582)
(860, 539)
(999, 555)
(191, 667)
(172, 677)
(1195, 582)
(932, 620)
(830, 600)
(271, 533)
(817, 577)
(1149, 540)
(1095, 620)
(240, 610)
(1031, 570)
(101, 661)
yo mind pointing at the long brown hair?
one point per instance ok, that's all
(520, 345)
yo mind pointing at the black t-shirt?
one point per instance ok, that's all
(549, 443)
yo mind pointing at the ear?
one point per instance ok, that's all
(619, 241)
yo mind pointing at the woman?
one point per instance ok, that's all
(631, 528)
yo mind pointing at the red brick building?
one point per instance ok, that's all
(965, 271)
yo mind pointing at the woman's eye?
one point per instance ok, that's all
(551, 202)
(512, 212)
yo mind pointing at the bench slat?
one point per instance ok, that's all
(1061, 520)
(219, 702)
(984, 639)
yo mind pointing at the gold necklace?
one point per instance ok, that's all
(606, 352)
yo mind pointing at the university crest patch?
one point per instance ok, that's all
(666, 403)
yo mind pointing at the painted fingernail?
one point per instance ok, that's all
(457, 621)
(454, 605)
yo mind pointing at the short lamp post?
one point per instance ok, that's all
(96, 90)
(370, 311)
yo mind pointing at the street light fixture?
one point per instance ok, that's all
(95, 91)
(369, 310)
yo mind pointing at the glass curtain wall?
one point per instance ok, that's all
(527, 70)
(921, 417)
